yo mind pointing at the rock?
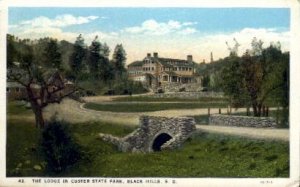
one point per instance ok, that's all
(37, 167)
(27, 162)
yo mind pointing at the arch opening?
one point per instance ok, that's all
(160, 140)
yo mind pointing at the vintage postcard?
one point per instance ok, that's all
(148, 93)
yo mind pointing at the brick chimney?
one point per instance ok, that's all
(155, 55)
(189, 58)
(148, 54)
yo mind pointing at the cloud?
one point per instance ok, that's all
(59, 21)
(216, 42)
(170, 39)
(42, 26)
(187, 31)
(152, 27)
(201, 45)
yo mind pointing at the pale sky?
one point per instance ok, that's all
(172, 32)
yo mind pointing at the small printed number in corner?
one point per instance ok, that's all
(266, 182)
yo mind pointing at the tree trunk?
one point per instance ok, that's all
(257, 109)
(37, 109)
(39, 119)
(259, 106)
(255, 112)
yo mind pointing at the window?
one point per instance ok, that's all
(17, 89)
(7, 89)
(165, 78)
(152, 68)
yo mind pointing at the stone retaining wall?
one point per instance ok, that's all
(177, 87)
(190, 95)
(241, 121)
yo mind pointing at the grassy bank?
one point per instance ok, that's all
(203, 155)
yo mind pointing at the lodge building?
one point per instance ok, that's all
(156, 71)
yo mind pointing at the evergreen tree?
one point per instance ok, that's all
(99, 65)
(94, 58)
(51, 55)
(11, 50)
(105, 68)
(77, 57)
(118, 61)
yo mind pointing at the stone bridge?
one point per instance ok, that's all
(155, 134)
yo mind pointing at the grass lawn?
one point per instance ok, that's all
(149, 107)
(152, 99)
(203, 155)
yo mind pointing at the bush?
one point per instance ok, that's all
(59, 148)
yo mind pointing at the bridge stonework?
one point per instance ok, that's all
(155, 134)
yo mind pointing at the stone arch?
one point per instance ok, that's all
(155, 133)
(160, 139)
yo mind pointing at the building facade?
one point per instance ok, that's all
(157, 71)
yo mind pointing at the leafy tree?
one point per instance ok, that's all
(231, 81)
(77, 57)
(251, 79)
(205, 81)
(43, 85)
(118, 61)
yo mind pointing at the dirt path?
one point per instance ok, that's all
(74, 112)
(258, 133)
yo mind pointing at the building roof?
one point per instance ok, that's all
(165, 62)
(136, 63)
(174, 62)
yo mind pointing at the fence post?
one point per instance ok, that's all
(247, 111)
(208, 110)
(219, 110)
(267, 112)
(277, 115)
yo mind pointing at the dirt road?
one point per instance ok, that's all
(74, 112)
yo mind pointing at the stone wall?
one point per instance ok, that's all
(241, 121)
(191, 95)
(177, 87)
(150, 130)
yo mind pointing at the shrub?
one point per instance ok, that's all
(59, 148)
